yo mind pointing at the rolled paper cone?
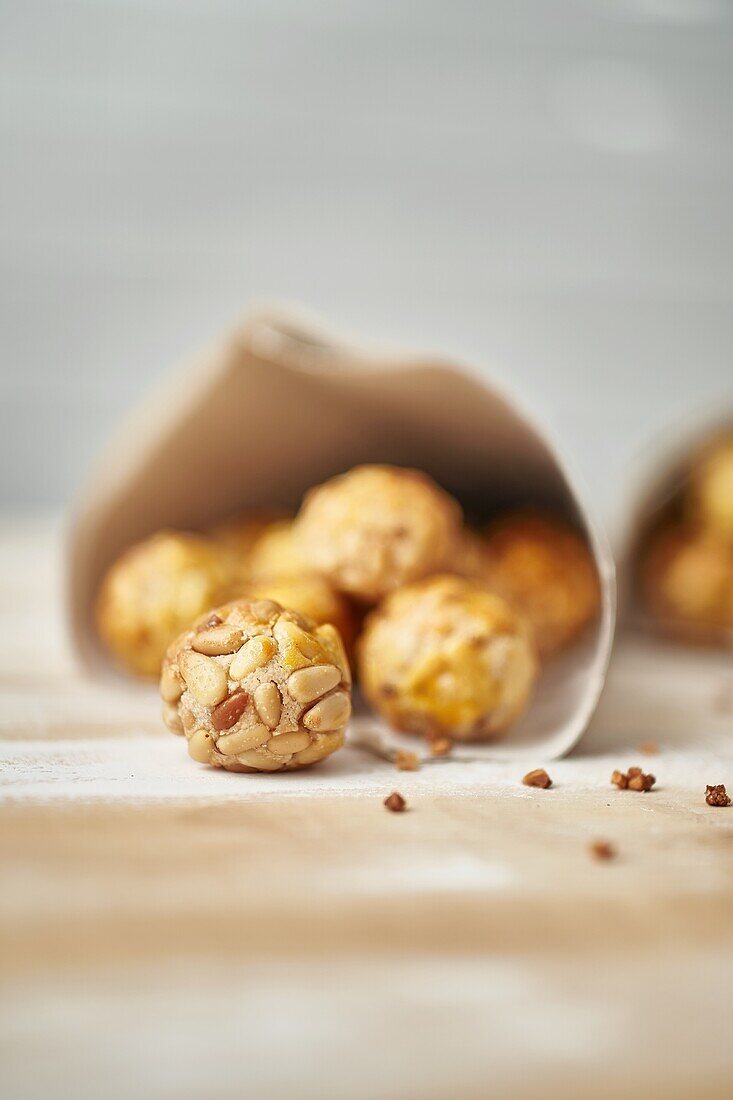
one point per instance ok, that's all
(280, 406)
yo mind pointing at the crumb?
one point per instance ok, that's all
(634, 780)
(717, 795)
(406, 761)
(396, 803)
(441, 746)
(602, 849)
(642, 782)
(649, 748)
(537, 778)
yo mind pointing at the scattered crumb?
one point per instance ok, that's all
(406, 761)
(634, 780)
(649, 748)
(717, 795)
(537, 778)
(441, 746)
(603, 849)
(396, 803)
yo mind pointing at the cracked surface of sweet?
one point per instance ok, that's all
(544, 569)
(378, 527)
(445, 656)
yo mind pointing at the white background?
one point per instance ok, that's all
(544, 186)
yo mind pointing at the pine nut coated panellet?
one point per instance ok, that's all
(378, 527)
(153, 591)
(447, 657)
(254, 687)
(545, 569)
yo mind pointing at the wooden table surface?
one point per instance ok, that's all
(167, 931)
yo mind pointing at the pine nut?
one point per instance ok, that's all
(329, 635)
(171, 684)
(264, 610)
(230, 711)
(288, 743)
(268, 704)
(172, 718)
(330, 713)
(253, 655)
(321, 746)
(234, 743)
(188, 719)
(298, 648)
(308, 684)
(217, 640)
(200, 746)
(261, 761)
(205, 679)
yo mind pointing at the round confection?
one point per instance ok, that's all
(378, 527)
(545, 569)
(711, 488)
(469, 559)
(687, 583)
(154, 591)
(240, 533)
(276, 553)
(311, 596)
(446, 656)
(255, 687)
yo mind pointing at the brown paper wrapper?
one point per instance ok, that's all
(279, 406)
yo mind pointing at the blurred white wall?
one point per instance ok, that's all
(545, 186)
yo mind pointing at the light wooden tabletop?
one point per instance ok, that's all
(168, 931)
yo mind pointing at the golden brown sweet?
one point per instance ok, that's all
(711, 488)
(546, 570)
(254, 687)
(447, 657)
(154, 591)
(276, 553)
(687, 583)
(240, 533)
(469, 558)
(311, 596)
(261, 545)
(377, 527)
